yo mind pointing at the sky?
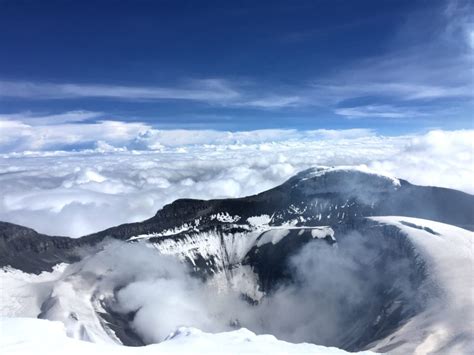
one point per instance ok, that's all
(111, 109)
(79, 66)
(115, 108)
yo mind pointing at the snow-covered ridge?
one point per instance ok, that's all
(167, 232)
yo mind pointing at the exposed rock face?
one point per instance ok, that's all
(25, 249)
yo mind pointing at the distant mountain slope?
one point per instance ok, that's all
(25, 249)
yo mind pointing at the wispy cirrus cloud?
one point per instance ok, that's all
(51, 119)
(212, 91)
(274, 102)
(390, 89)
(382, 111)
(208, 90)
(429, 59)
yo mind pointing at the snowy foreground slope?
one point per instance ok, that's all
(336, 257)
(444, 327)
(35, 336)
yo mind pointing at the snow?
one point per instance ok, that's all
(322, 232)
(22, 294)
(38, 336)
(225, 248)
(71, 302)
(272, 236)
(275, 234)
(257, 221)
(165, 233)
(446, 326)
(225, 217)
(320, 171)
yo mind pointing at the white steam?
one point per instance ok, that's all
(331, 285)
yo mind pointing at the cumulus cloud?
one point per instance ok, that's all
(438, 158)
(83, 129)
(38, 134)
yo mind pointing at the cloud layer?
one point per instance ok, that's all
(76, 193)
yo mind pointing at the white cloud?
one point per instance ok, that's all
(50, 119)
(75, 193)
(387, 87)
(213, 91)
(418, 65)
(274, 102)
(200, 90)
(27, 132)
(41, 135)
(439, 158)
(382, 111)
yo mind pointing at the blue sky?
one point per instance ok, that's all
(393, 66)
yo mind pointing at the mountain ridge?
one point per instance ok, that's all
(314, 197)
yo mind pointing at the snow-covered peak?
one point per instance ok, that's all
(348, 171)
(355, 181)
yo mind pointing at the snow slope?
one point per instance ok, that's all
(21, 294)
(447, 325)
(326, 170)
(36, 336)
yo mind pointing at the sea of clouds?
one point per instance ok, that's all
(132, 173)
